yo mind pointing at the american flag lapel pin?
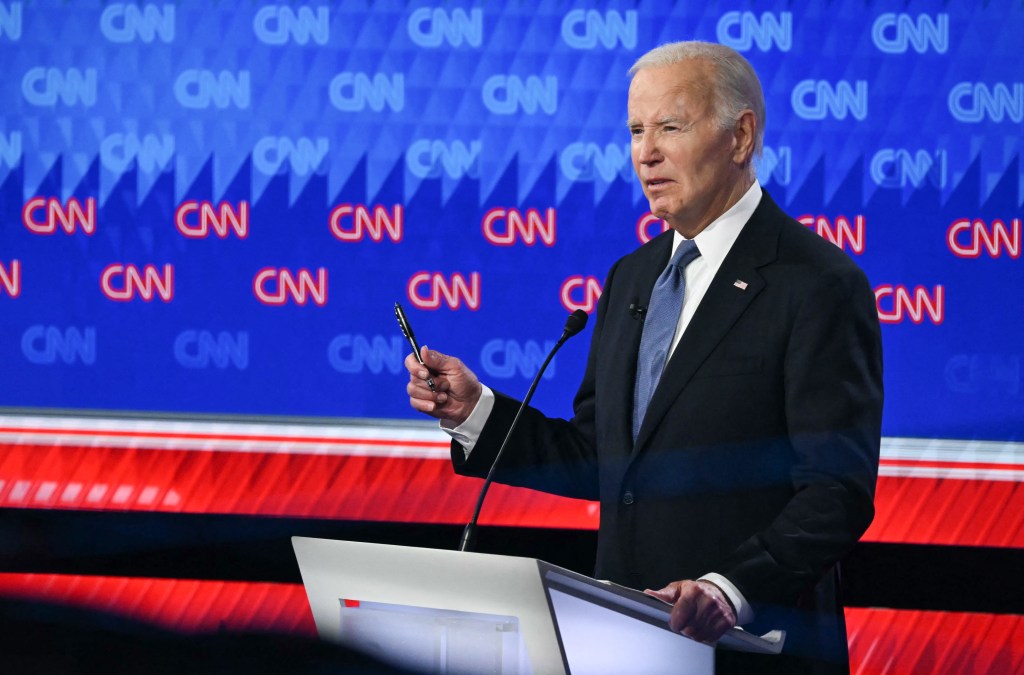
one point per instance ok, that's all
(740, 284)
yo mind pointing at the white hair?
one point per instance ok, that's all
(735, 85)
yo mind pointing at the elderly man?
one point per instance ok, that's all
(731, 432)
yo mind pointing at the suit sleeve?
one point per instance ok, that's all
(547, 454)
(833, 405)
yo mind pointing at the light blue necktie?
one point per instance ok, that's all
(660, 323)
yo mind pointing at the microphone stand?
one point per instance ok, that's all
(573, 325)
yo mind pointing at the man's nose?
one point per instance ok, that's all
(647, 151)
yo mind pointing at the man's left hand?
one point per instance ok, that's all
(700, 609)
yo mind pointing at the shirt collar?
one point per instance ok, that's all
(715, 240)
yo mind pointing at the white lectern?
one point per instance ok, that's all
(453, 612)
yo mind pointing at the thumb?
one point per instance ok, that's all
(668, 594)
(433, 359)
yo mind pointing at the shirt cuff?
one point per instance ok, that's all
(468, 433)
(744, 612)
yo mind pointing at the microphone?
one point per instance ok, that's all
(636, 310)
(576, 322)
(573, 325)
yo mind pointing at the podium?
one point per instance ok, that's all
(442, 611)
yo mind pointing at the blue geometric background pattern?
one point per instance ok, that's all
(210, 208)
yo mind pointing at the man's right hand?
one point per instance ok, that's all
(458, 389)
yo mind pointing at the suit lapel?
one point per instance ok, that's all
(719, 310)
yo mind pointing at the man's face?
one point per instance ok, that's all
(686, 165)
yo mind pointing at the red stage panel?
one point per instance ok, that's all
(884, 641)
(948, 511)
(401, 489)
(929, 491)
(881, 641)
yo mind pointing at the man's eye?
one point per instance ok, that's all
(636, 131)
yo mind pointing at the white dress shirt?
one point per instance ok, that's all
(714, 243)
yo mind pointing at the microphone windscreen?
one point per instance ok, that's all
(576, 322)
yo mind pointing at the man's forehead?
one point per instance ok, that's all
(665, 90)
(692, 76)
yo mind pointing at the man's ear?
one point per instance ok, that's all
(745, 134)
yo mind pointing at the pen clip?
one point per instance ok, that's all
(403, 323)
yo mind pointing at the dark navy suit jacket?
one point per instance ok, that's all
(759, 452)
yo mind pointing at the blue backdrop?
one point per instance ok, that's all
(212, 207)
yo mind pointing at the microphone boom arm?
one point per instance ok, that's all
(573, 325)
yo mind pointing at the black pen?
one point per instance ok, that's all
(403, 323)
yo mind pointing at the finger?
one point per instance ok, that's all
(411, 364)
(712, 616)
(703, 616)
(438, 362)
(424, 406)
(418, 379)
(718, 600)
(681, 620)
(417, 373)
(419, 389)
(694, 606)
(719, 629)
(710, 629)
(703, 627)
(421, 376)
(431, 357)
